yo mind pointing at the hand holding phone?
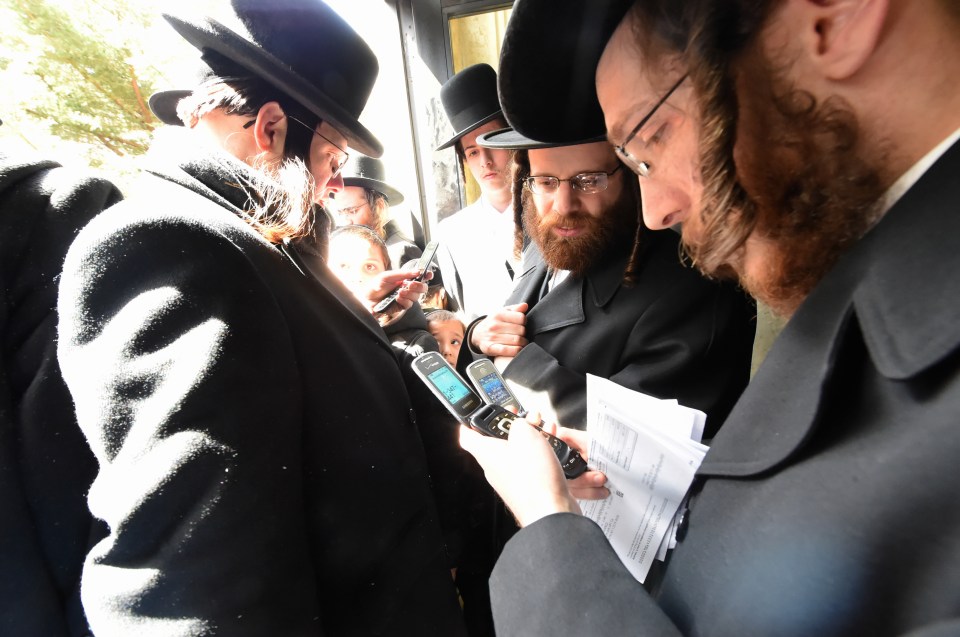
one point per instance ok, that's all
(423, 264)
(488, 419)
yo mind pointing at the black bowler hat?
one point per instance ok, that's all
(548, 63)
(164, 103)
(470, 100)
(304, 49)
(366, 172)
(509, 139)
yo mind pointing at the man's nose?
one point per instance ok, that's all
(659, 203)
(334, 185)
(566, 199)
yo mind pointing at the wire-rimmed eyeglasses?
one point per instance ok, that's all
(587, 183)
(352, 210)
(341, 159)
(642, 167)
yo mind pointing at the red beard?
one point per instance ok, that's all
(601, 237)
(811, 192)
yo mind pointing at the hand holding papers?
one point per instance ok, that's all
(649, 450)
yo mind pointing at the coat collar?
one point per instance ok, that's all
(230, 183)
(15, 168)
(563, 306)
(899, 286)
(317, 272)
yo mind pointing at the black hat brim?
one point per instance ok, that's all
(210, 35)
(163, 104)
(568, 37)
(510, 139)
(393, 195)
(453, 140)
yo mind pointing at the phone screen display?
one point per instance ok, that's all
(449, 385)
(494, 389)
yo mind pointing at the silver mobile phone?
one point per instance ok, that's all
(488, 419)
(490, 385)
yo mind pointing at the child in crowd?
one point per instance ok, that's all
(356, 255)
(448, 329)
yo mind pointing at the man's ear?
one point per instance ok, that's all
(839, 36)
(270, 129)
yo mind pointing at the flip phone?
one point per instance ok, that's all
(488, 419)
(490, 385)
(425, 260)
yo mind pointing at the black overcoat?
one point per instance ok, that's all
(260, 468)
(829, 504)
(671, 334)
(45, 465)
(400, 247)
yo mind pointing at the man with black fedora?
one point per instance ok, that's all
(216, 373)
(827, 504)
(600, 294)
(366, 199)
(477, 257)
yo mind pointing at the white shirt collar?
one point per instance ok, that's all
(909, 178)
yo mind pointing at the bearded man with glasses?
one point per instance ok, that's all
(599, 294)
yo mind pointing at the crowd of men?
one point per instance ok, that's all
(207, 427)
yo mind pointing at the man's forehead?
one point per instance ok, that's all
(593, 157)
(350, 193)
(624, 74)
(333, 134)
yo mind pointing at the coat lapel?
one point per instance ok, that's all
(892, 287)
(527, 285)
(321, 275)
(564, 305)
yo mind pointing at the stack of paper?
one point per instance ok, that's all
(649, 450)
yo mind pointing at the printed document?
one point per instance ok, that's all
(649, 450)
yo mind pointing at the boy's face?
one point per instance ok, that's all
(356, 262)
(449, 335)
(490, 167)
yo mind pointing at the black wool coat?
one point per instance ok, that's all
(45, 464)
(400, 247)
(829, 504)
(671, 334)
(261, 472)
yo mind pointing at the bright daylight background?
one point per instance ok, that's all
(56, 55)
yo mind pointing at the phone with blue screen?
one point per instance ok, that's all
(488, 419)
(490, 385)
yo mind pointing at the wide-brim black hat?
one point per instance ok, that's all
(163, 104)
(548, 64)
(510, 139)
(304, 49)
(470, 100)
(366, 172)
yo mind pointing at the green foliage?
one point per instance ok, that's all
(86, 87)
